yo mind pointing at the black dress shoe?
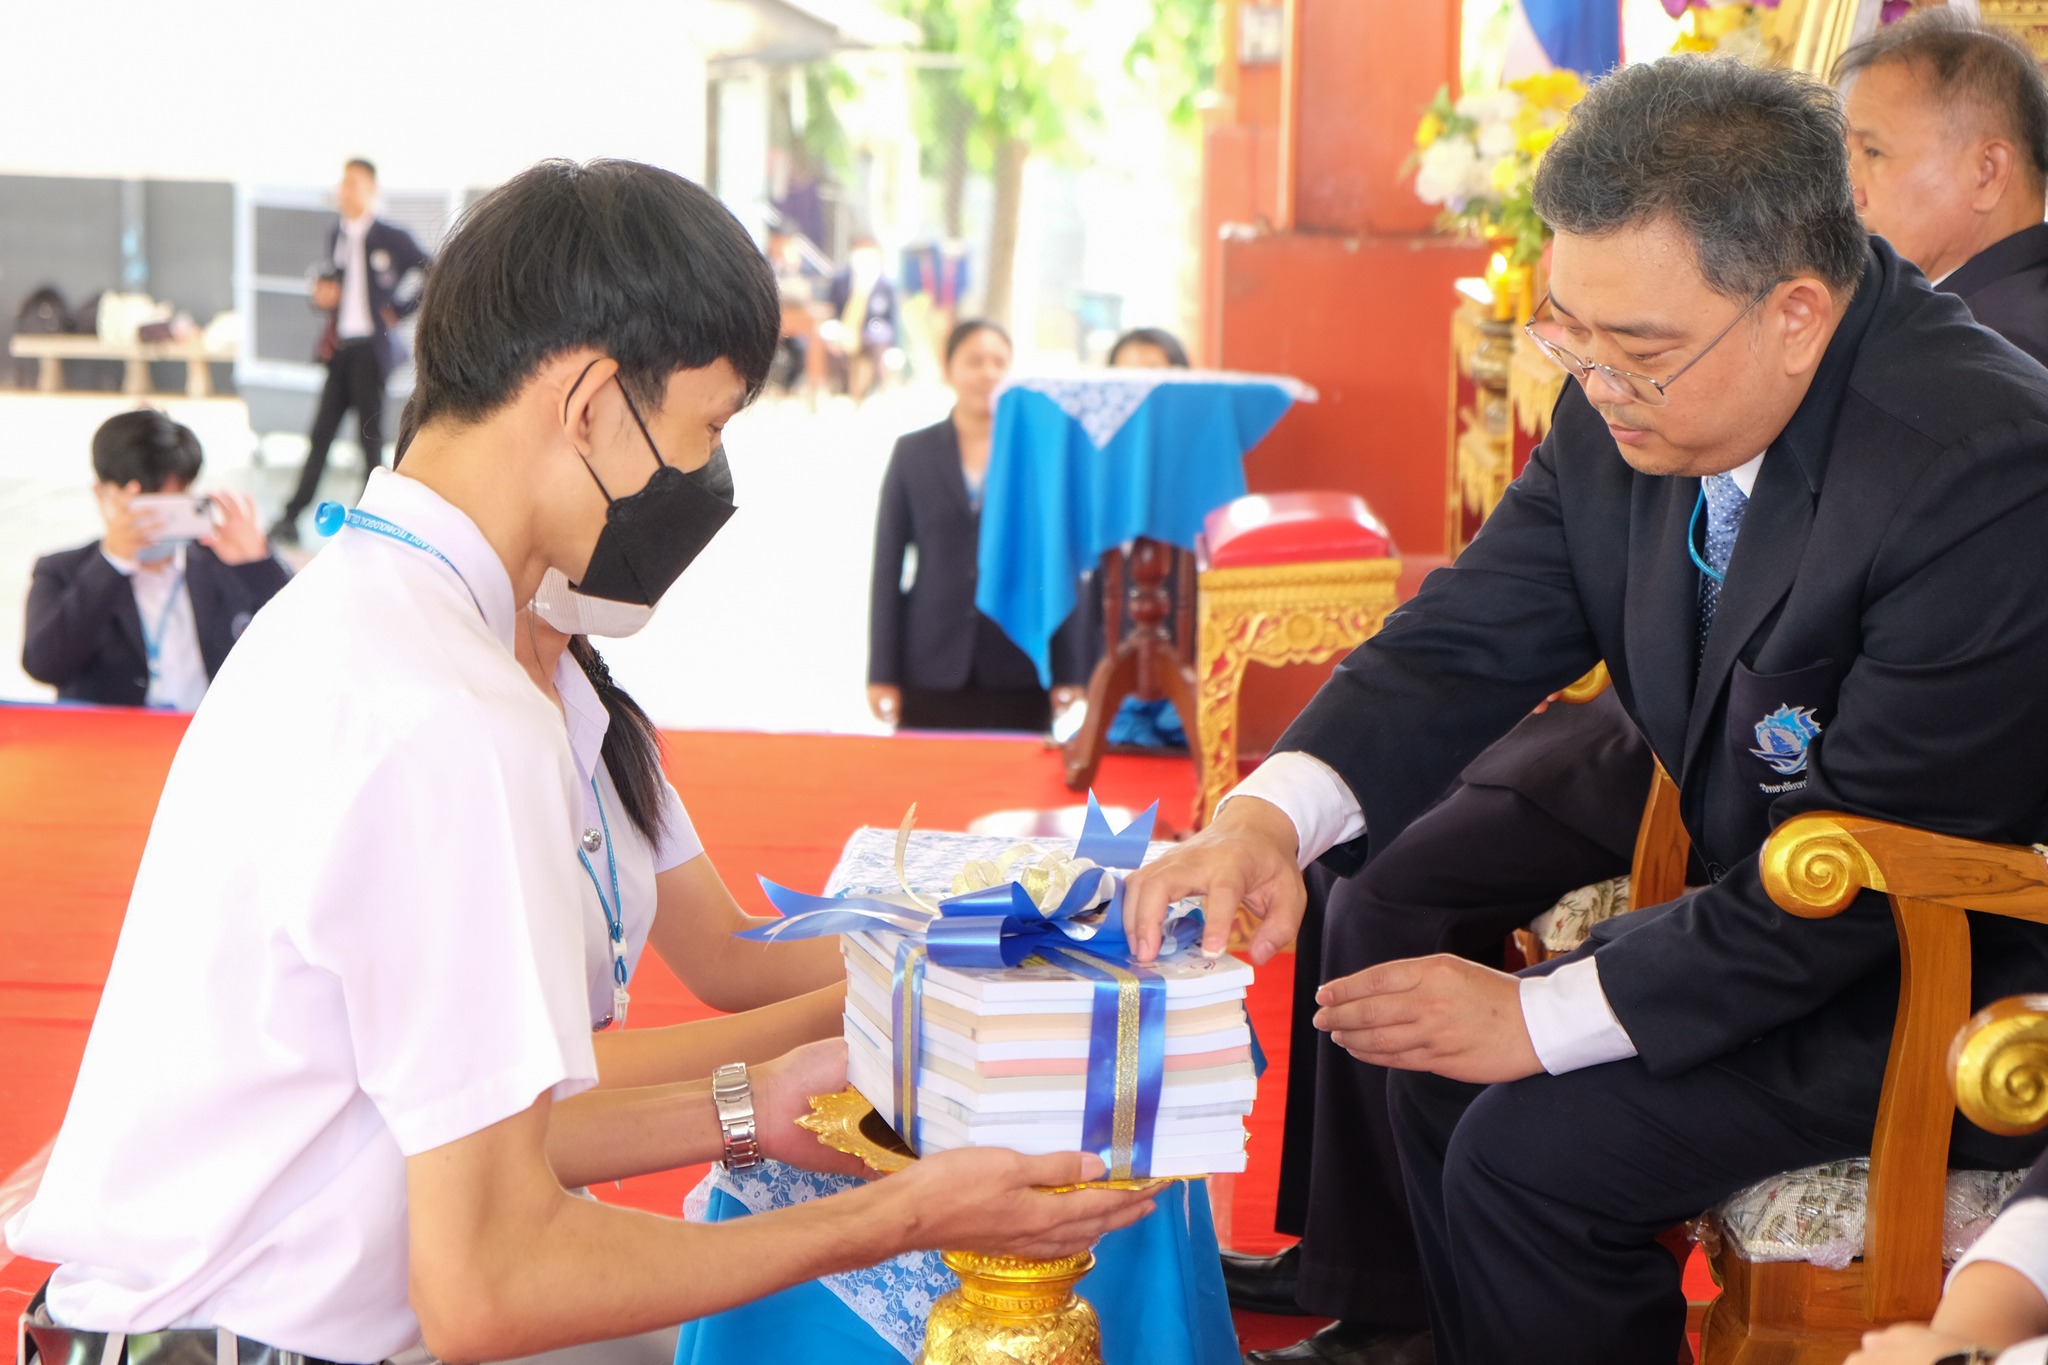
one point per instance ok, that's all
(1353, 1343)
(1263, 1284)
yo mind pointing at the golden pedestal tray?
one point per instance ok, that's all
(1008, 1310)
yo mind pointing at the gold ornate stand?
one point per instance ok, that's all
(1008, 1310)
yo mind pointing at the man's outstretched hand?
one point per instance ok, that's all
(1441, 1014)
(1245, 858)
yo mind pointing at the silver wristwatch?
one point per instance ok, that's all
(732, 1094)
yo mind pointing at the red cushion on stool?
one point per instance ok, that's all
(1292, 528)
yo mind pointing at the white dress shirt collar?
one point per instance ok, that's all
(1744, 474)
(419, 509)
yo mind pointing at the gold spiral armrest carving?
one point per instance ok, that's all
(1813, 867)
(1588, 687)
(1999, 1066)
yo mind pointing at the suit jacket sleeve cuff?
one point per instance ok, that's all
(1308, 790)
(2018, 1240)
(1570, 1023)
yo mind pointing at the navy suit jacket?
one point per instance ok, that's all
(1885, 588)
(84, 635)
(2006, 286)
(932, 636)
(389, 255)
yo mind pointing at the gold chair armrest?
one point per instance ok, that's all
(1998, 1066)
(1815, 864)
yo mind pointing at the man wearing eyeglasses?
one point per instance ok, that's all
(1795, 499)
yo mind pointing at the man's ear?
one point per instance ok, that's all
(581, 376)
(1803, 309)
(1994, 167)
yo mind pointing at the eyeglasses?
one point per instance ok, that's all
(1548, 334)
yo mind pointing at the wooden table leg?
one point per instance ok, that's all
(134, 377)
(198, 377)
(49, 374)
(1145, 664)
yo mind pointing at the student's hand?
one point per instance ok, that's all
(1906, 1343)
(782, 1093)
(991, 1200)
(1441, 1014)
(327, 294)
(238, 537)
(886, 701)
(127, 533)
(1246, 857)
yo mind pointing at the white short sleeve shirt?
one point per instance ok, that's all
(639, 862)
(355, 935)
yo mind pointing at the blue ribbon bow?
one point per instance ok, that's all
(1002, 926)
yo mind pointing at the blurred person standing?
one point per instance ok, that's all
(133, 619)
(864, 325)
(935, 662)
(361, 289)
(1948, 155)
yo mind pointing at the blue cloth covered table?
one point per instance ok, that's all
(1084, 463)
(1157, 1287)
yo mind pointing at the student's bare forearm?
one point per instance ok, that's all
(618, 1133)
(596, 1272)
(660, 1056)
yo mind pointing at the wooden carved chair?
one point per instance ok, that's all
(1814, 865)
(1794, 1312)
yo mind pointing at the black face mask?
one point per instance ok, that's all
(651, 536)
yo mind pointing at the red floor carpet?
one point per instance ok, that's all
(78, 788)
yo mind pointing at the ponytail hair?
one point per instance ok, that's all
(632, 749)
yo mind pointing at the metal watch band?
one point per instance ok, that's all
(732, 1095)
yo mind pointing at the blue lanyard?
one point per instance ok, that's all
(153, 641)
(1692, 536)
(330, 517)
(615, 908)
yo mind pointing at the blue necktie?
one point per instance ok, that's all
(1725, 505)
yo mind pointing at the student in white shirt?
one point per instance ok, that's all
(1995, 1305)
(315, 1110)
(136, 618)
(632, 827)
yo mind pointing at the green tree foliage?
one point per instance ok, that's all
(1175, 55)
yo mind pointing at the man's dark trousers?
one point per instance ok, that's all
(355, 382)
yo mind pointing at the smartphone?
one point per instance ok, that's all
(173, 517)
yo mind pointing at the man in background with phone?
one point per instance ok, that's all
(145, 615)
(368, 281)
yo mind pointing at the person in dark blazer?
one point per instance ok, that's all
(1948, 139)
(1784, 502)
(863, 325)
(1948, 150)
(368, 282)
(934, 661)
(131, 621)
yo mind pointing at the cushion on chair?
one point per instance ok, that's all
(1292, 528)
(1564, 926)
(1816, 1214)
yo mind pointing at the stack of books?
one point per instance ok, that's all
(1003, 1056)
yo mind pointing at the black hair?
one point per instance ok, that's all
(145, 447)
(1169, 344)
(1970, 69)
(626, 259)
(632, 748)
(361, 163)
(958, 337)
(1750, 162)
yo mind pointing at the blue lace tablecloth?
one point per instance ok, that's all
(1081, 464)
(1157, 1286)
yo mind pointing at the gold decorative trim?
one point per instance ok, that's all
(1588, 687)
(1282, 614)
(1534, 384)
(1999, 1066)
(1813, 867)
